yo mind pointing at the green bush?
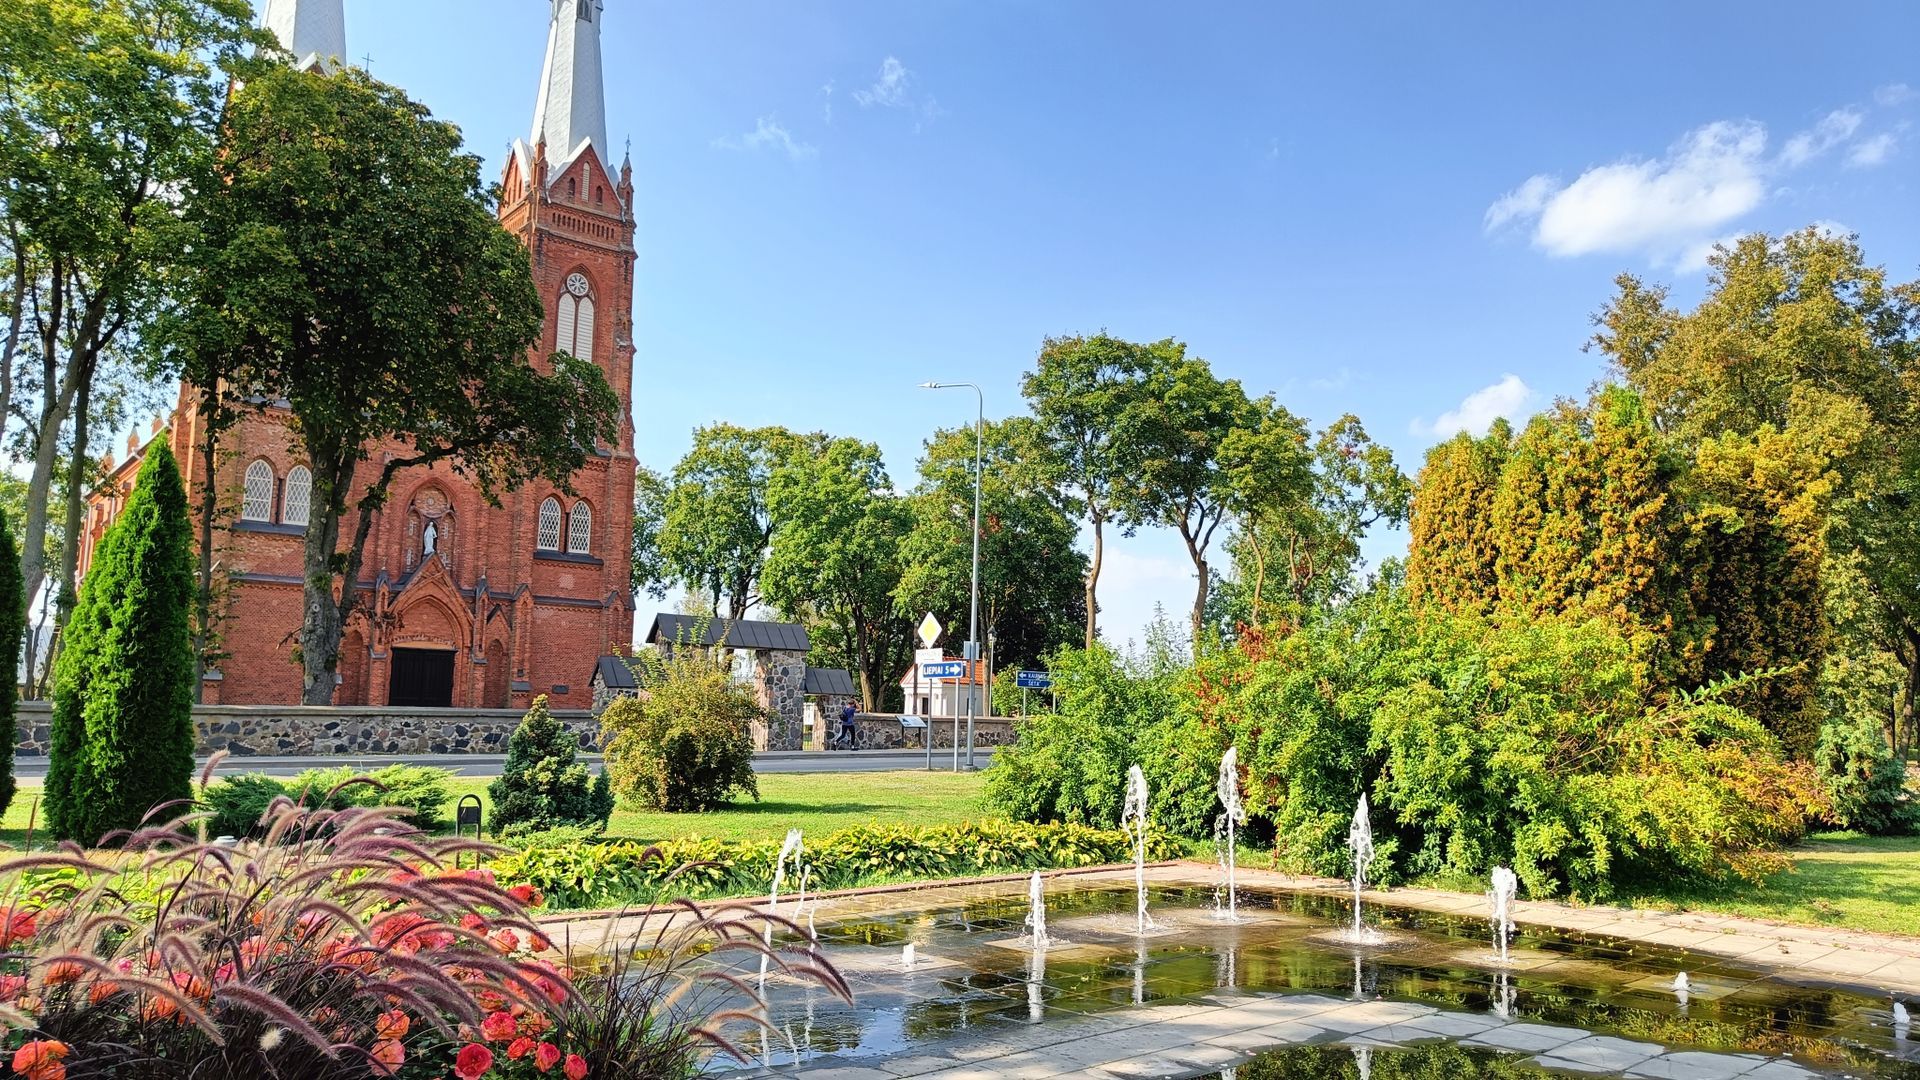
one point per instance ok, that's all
(542, 787)
(13, 624)
(237, 802)
(619, 873)
(122, 730)
(686, 744)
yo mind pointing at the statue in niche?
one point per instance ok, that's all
(429, 539)
(429, 525)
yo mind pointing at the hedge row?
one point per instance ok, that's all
(613, 874)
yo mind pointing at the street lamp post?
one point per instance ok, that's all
(972, 651)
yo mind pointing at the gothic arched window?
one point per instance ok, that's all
(573, 321)
(548, 538)
(297, 502)
(257, 505)
(580, 529)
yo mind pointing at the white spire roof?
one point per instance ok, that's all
(572, 107)
(314, 31)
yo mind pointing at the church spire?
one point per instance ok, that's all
(572, 107)
(314, 31)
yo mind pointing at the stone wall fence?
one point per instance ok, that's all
(309, 730)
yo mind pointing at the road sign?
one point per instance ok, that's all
(930, 630)
(1033, 680)
(950, 669)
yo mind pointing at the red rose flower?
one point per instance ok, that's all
(576, 1068)
(472, 1062)
(392, 1024)
(546, 1056)
(498, 1027)
(388, 1055)
(40, 1060)
(519, 1048)
(17, 925)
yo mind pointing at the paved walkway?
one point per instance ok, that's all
(1174, 1041)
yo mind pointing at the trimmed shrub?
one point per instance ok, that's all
(13, 625)
(417, 794)
(542, 787)
(686, 743)
(624, 872)
(122, 731)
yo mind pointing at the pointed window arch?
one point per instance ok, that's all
(257, 503)
(297, 502)
(574, 318)
(580, 529)
(548, 539)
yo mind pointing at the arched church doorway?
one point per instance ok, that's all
(422, 679)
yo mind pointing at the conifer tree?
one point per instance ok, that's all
(122, 739)
(1451, 559)
(13, 623)
(542, 786)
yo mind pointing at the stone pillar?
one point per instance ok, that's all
(780, 676)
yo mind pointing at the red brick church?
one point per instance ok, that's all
(463, 604)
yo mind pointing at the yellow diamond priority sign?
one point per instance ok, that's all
(929, 631)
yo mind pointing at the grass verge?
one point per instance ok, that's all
(1842, 880)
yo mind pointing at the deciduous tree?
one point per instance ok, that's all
(351, 266)
(717, 520)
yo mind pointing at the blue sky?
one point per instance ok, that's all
(1394, 210)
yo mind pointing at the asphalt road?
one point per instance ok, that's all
(488, 765)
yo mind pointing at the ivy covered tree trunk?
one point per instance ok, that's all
(122, 740)
(13, 624)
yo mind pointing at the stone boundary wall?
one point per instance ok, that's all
(883, 732)
(302, 730)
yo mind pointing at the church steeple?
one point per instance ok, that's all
(572, 108)
(314, 31)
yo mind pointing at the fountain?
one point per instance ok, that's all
(800, 901)
(1232, 815)
(1680, 983)
(906, 957)
(1505, 885)
(1363, 1060)
(1902, 1024)
(1360, 845)
(1134, 820)
(1036, 979)
(789, 850)
(1037, 913)
(1503, 995)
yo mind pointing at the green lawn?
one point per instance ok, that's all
(1838, 879)
(818, 803)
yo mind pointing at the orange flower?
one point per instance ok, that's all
(102, 990)
(534, 1024)
(11, 985)
(538, 942)
(498, 1027)
(392, 1024)
(61, 972)
(472, 1062)
(40, 1060)
(158, 1008)
(576, 1067)
(546, 1056)
(519, 1048)
(388, 1055)
(507, 941)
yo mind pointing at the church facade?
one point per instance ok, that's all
(462, 603)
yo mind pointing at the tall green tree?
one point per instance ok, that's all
(108, 110)
(650, 574)
(351, 265)
(836, 555)
(1180, 478)
(1797, 335)
(717, 520)
(122, 732)
(1089, 394)
(1452, 554)
(13, 624)
(1031, 575)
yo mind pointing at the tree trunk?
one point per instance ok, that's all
(209, 509)
(1202, 575)
(1093, 578)
(69, 593)
(323, 619)
(1903, 736)
(16, 317)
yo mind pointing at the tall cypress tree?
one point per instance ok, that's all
(122, 740)
(13, 624)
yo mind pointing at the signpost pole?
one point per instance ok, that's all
(926, 733)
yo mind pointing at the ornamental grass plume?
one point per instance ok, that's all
(343, 945)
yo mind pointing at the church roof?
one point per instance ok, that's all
(744, 634)
(314, 31)
(571, 111)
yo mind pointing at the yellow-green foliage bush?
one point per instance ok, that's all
(614, 874)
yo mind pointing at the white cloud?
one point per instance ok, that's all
(890, 89)
(1871, 151)
(826, 93)
(1833, 129)
(1525, 201)
(1895, 94)
(893, 88)
(768, 134)
(1509, 397)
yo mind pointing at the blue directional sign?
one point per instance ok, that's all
(950, 669)
(1033, 680)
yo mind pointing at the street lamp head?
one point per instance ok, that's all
(930, 386)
